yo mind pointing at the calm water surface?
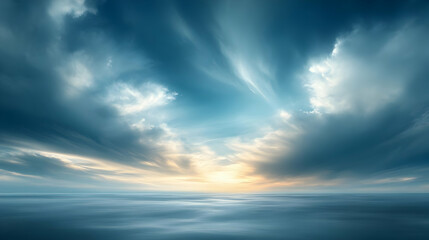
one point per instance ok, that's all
(208, 216)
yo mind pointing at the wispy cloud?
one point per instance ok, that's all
(237, 96)
(131, 100)
(240, 42)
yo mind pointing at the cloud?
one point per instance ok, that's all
(37, 166)
(57, 100)
(243, 49)
(131, 100)
(91, 90)
(360, 75)
(367, 109)
(76, 74)
(75, 8)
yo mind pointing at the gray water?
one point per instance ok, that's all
(210, 216)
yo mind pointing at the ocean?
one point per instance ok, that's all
(190, 216)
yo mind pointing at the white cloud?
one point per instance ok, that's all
(130, 100)
(97, 65)
(75, 8)
(393, 180)
(363, 75)
(76, 74)
(285, 115)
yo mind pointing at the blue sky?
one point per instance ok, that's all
(214, 95)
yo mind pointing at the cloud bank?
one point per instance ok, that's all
(214, 96)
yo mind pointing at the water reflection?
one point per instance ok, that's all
(208, 216)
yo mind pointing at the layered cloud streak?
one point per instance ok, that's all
(232, 97)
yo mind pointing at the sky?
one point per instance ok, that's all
(214, 96)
